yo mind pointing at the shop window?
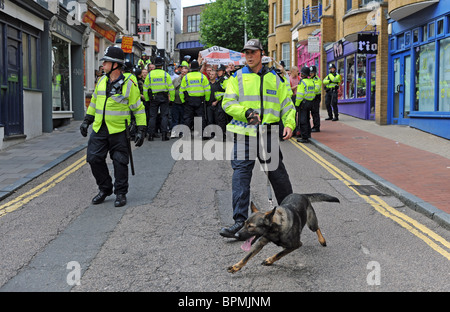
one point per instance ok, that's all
(60, 74)
(340, 70)
(415, 35)
(361, 82)
(440, 27)
(431, 30)
(350, 77)
(425, 77)
(30, 67)
(444, 76)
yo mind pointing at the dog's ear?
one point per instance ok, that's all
(269, 216)
(253, 207)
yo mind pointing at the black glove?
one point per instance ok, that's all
(85, 125)
(140, 136)
(252, 117)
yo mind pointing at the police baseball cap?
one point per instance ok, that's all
(253, 44)
(113, 54)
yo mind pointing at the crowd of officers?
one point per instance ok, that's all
(156, 102)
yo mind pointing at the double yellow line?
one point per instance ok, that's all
(41, 188)
(432, 239)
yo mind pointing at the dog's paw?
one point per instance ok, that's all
(267, 262)
(233, 269)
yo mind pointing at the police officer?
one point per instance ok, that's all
(185, 62)
(256, 95)
(159, 91)
(194, 91)
(331, 83)
(114, 98)
(218, 116)
(144, 61)
(306, 93)
(316, 102)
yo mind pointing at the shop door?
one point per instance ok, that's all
(372, 87)
(402, 89)
(12, 98)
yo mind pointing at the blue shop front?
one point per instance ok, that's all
(419, 70)
(356, 94)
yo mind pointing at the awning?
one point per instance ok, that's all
(189, 45)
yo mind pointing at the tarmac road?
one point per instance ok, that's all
(166, 238)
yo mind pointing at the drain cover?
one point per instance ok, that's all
(368, 190)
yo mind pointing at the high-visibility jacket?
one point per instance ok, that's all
(114, 108)
(158, 81)
(244, 91)
(318, 84)
(306, 90)
(332, 80)
(143, 64)
(218, 94)
(196, 85)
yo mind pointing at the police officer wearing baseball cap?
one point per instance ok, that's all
(113, 100)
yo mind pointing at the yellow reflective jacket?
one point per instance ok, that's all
(116, 107)
(306, 90)
(244, 91)
(158, 81)
(318, 84)
(332, 80)
(196, 85)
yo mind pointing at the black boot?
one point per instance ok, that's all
(121, 200)
(100, 197)
(232, 230)
(165, 136)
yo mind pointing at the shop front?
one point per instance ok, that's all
(356, 95)
(419, 70)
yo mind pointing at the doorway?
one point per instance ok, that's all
(402, 88)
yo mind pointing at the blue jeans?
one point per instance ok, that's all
(242, 176)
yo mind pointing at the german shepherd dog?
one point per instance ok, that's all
(282, 226)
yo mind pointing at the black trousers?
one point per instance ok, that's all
(315, 112)
(99, 145)
(305, 113)
(216, 116)
(194, 107)
(331, 102)
(159, 103)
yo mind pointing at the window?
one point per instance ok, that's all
(193, 23)
(30, 67)
(425, 33)
(274, 16)
(349, 5)
(425, 77)
(286, 54)
(431, 30)
(444, 76)
(400, 42)
(361, 82)
(416, 35)
(440, 27)
(153, 30)
(286, 10)
(408, 39)
(350, 77)
(60, 74)
(340, 71)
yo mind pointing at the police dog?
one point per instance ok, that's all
(282, 226)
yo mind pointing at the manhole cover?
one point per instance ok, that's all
(368, 190)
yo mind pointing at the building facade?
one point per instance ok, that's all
(392, 55)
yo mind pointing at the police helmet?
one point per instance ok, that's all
(313, 69)
(221, 67)
(159, 61)
(114, 54)
(305, 71)
(195, 65)
(332, 66)
(128, 66)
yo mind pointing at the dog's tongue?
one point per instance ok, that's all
(248, 244)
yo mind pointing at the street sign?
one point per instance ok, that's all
(144, 29)
(313, 44)
(127, 44)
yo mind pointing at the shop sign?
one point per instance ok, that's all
(367, 44)
(144, 29)
(313, 44)
(90, 19)
(338, 49)
(127, 44)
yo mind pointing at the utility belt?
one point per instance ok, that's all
(332, 89)
(195, 101)
(161, 94)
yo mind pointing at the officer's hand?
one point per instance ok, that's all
(287, 133)
(253, 117)
(84, 128)
(140, 136)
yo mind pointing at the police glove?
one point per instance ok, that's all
(88, 119)
(252, 117)
(140, 136)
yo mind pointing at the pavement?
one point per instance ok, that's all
(413, 165)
